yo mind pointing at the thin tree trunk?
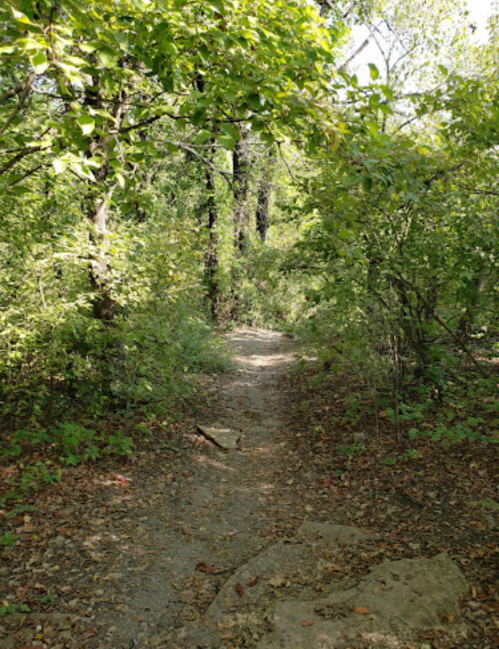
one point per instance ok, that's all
(240, 170)
(104, 305)
(211, 256)
(263, 200)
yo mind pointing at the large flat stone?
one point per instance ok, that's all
(394, 600)
(225, 438)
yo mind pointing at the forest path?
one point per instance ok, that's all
(220, 511)
(237, 554)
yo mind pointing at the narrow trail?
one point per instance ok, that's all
(225, 512)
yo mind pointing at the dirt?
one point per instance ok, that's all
(190, 546)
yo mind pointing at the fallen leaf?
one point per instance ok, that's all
(308, 622)
(277, 581)
(253, 582)
(204, 567)
(239, 589)
(361, 610)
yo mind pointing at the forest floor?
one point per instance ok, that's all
(186, 545)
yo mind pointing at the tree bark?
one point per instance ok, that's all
(104, 306)
(263, 199)
(211, 256)
(241, 171)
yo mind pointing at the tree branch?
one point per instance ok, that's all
(224, 174)
(26, 87)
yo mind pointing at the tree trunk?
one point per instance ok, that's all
(240, 172)
(465, 325)
(104, 306)
(211, 256)
(263, 200)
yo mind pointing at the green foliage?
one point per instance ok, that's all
(138, 139)
(34, 476)
(351, 450)
(487, 503)
(409, 455)
(73, 442)
(13, 608)
(9, 540)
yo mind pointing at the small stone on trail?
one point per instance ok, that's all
(225, 438)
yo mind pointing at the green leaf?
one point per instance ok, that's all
(231, 130)
(202, 136)
(257, 124)
(373, 71)
(199, 117)
(172, 147)
(229, 95)
(83, 171)
(20, 17)
(39, 62)
(267, 138)
(350, 181)
(374, 100)
(87, 47)
(86, 123)
(227, 141)
(216, 5)
(254, 101)
(204, 53)
(108, 57)
(367, 181)
(76, 60)
(59, 165)
(388, 92)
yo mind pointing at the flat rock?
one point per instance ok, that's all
(249, 588)
(393, 601)
(334, 534)
(225, 438)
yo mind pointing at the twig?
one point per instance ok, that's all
(226, 176)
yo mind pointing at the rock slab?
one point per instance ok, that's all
(395, 599)
(225, 438)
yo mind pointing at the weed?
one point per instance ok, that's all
(13, 608)
(8, 539)
(351, 450)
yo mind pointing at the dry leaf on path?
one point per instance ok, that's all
(277, 581)
(204, 567)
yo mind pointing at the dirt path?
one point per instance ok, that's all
(227, 509)
(219, 549)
